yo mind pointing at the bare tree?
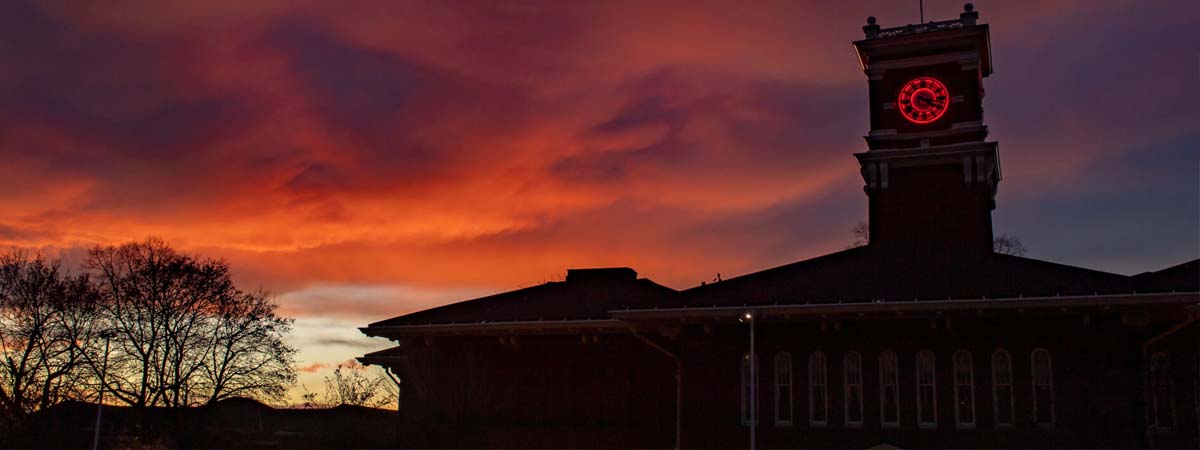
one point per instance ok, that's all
(248, 356)
(45, 327)
(1003, 244)
(862, 235)
(153, 297)
(1008, 245)
(351, 385)
(184, 334)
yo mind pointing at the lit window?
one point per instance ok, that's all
(818, 399)
(747, 388)
(1162, 395)
(783, 388)
(1043, 387)
(964, 389)
(889, 389)
(1002, 388)
(852, 372)
(926, 390)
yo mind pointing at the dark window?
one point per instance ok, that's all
(1043, 387)
(783, 388)
(926, 390)
(1002, 388)
(889, 389)
(1162, 395)
(818, 388)
(853, 383)
(964, 389)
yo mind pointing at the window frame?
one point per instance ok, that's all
(1012, 411)
(846, 385)
(1154, 368)
(1033, 369)
(958, 420)
(884, 384)
(824, 385)
(933, 388)
(784, 360)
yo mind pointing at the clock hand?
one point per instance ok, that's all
(930, 102)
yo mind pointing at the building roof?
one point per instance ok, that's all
(1183, 277)
(587, 294)
(865, 274)
(857, 275)
(382, 356)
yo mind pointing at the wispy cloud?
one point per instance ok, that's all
(313, 368)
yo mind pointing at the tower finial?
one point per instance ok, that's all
(871, 29)
(969, 15)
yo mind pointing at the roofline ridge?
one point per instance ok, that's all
(1058, 264)
(470, 300)
(851, 250)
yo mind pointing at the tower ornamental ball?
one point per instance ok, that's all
(969, 7)
(871, 19)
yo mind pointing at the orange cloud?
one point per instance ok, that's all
(367, 159)
(313, 368)
(404, 149)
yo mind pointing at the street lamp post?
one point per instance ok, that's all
(749, 317)
(100, 406)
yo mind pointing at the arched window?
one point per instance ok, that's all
(964, 389)
(1002, 388)
(926, 390)
(889, 389)
(1162, 395)
(747, 388)
(853, 385)
(783, 388)
(1043, 387)
(818, 390)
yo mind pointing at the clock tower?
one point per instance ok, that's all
(929, 173)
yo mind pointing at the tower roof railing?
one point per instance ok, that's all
(967, 18)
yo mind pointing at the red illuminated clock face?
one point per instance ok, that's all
(923, 100)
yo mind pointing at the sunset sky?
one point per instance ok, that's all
(364, 160)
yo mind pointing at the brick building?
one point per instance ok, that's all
(924, 338)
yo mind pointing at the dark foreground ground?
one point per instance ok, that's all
(234, 423)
